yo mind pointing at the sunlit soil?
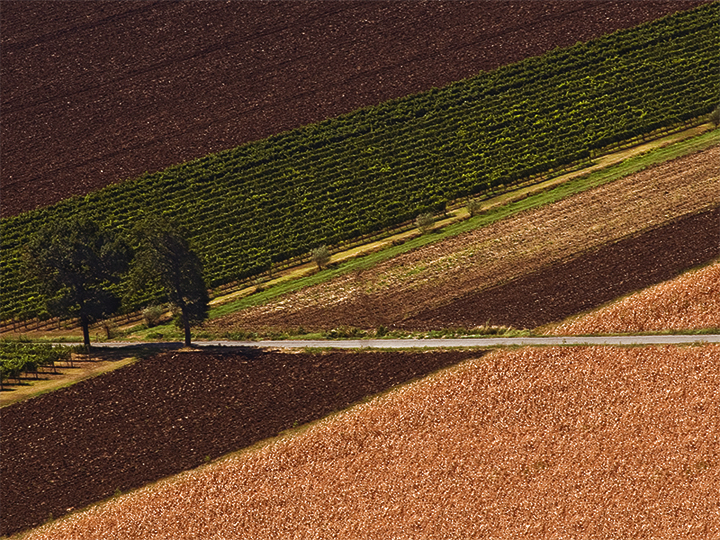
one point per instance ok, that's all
(689, 302)
(594, 442)
(516, 246)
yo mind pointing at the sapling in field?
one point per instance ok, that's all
(474, 207)
(715, 116)
(321, 257)
(425, 222)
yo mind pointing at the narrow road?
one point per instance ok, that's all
(444, 343)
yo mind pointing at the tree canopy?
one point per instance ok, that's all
(163, 259)
(76, 264)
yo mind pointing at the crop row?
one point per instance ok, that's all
(264, 202)
(17, 358)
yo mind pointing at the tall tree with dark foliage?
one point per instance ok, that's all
(76, 264)
(164, 260)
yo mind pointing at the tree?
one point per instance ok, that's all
(715, 116)
(425, 222)
(474, 207)
(321, 256)
(164, 259)
(76, 263)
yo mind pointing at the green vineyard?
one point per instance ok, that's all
(268, 201)
(17, 358)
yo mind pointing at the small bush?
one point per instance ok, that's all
(152, 315)
(425, 222)
(715, 116)
(474, 207)
(321, 256)
(344, 332)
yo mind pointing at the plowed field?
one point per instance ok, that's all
(530, 269)
(599, 443)
(98, 92)
(689, 302)
(163, 415)
(592, 279)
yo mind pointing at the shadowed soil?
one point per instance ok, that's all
(585, 282)
(529, 243)
(99, 92)
(688, 302)
(172, 412)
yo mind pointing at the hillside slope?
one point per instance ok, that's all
(254, 206)
(98, 92)
(437, 286)
(573, 442)
(172, 412)
(688, 302)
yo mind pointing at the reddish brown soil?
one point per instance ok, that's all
(564, 287)
(98, 92)
(165, 414)
(600, 443)
(585, 282)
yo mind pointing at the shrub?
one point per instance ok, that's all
(152, 315)
(424, 222)
(344, 332)
(321, 256)
(715, 116)
(474, 207)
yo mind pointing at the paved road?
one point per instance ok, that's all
(439, 343)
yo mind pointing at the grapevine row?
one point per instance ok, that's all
(17, 358)
(265, 202)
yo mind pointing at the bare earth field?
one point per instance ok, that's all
(588, 280)
(597, 233)
(689, 302)
(593, 442)
(99, 92)
(171, 412)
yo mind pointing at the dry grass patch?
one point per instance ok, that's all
(509, 248)
(593, 442)
(689, 302)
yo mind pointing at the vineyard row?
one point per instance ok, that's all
(263, 203)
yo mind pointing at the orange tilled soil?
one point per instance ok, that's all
(595, 442)
(429, 277)
(689, 302)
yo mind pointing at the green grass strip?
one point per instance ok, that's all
(567, 189)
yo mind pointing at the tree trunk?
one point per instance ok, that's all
(86, 331)
(186, 324)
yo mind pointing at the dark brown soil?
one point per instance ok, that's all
(98, 92)
(585, 282)
(171, 412)
(550, 294)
